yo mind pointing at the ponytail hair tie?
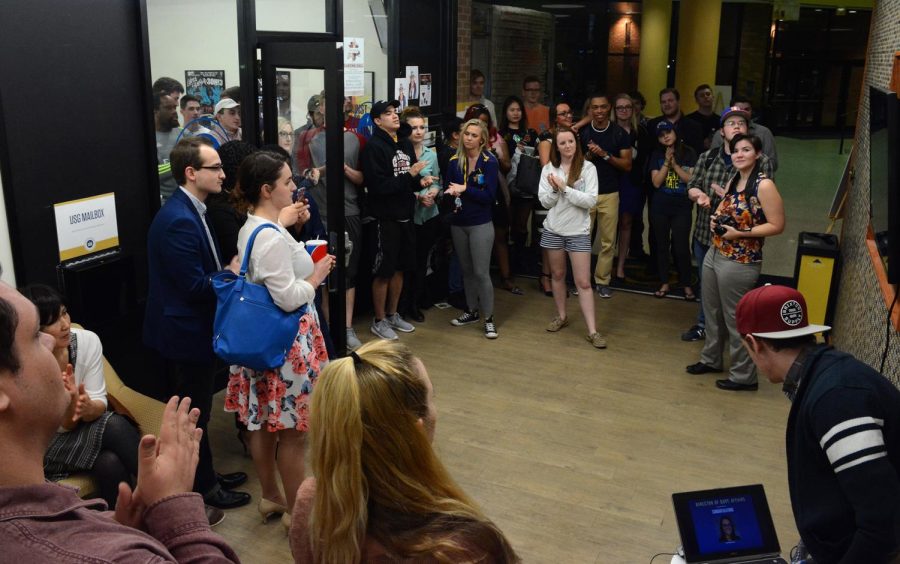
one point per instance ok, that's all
(356, 360)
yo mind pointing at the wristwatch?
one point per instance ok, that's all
(606, 157)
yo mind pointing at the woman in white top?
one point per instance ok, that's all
(273, 404)
(568, 190)
(90, 438)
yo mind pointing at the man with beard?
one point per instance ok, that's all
(165, 118)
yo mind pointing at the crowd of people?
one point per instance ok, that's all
(422, 223)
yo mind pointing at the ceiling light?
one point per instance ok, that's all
(563, 6)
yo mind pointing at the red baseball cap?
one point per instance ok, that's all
(774, 312)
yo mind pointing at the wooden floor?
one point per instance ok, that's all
(574, 451)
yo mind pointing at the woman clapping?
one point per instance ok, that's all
(569, 189)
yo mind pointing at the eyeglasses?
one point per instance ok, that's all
(735, 123)
(217, 167)
(285, 134)
(564, 114)
(623, 108)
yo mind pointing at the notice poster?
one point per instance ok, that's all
(86, 226)
(400, 85)
(412, 81)
(354, 66)
(425, 90)
(206, 85)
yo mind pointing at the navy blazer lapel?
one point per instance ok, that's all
(208, 258)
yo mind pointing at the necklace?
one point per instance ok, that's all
(600, 130)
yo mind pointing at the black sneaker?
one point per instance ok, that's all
(490, 328)
(467, 318)
(695, 333)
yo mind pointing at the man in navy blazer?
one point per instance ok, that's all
(178, 324)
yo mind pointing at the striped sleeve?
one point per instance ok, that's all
(853, 442)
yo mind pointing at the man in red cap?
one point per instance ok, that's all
(843, 432)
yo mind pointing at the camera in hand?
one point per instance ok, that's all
(721, 222)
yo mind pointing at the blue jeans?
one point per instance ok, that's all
(699, 254)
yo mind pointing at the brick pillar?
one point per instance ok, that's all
(463, 50)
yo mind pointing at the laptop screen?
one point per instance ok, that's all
(725, 523)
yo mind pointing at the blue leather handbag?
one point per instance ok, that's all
(250, 329)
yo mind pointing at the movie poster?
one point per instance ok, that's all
(400, 85)
(425, 90)
(412, 83)
(283, 93)
(206, 85)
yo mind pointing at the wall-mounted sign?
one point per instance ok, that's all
(354, 66)
(86, 226)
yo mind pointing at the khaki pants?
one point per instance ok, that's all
(606, 214)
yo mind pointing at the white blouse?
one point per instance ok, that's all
(279, 262)
(570, 208)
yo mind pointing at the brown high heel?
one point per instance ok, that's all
(268, 508)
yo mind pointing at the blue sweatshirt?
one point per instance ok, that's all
(481, 189)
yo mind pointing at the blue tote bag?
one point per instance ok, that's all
(250, 329)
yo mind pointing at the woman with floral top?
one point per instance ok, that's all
(750, 211)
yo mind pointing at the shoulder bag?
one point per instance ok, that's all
(250, 329)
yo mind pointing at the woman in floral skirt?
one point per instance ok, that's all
(273, 404)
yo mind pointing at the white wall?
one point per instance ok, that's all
(202, 35)
(9, 274)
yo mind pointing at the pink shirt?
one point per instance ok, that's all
(50, 523)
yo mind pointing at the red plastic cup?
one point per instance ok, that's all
(317, 249)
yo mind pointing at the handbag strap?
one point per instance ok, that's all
(246, 262)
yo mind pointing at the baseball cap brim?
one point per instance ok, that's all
(791, 333)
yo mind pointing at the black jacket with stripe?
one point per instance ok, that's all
(843, 453)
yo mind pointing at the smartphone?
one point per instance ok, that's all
(299, 194)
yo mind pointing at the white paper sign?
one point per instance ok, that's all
(354, 66)
(86, 226)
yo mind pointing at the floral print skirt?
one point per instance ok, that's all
(278, 399)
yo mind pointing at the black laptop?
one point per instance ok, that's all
(727, 526)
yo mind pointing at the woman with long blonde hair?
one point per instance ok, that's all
(472, 177)
(381, 493)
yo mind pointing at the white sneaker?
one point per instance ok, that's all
(382, 329)
(353, 341)
(490, 328)
(399, 324)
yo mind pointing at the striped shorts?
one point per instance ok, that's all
(571, 243)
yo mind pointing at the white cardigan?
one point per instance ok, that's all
(569, 209)
(279, 262)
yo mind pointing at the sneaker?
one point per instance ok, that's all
(467, 318)
(557, 324)
(695, 333)
(604, 292)
(382, 329)
(597, 340)
(399, 324)
(353, 341)
(490, 329)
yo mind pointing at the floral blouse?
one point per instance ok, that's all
(746, 212)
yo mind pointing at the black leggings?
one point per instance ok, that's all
(118, 458)
(677, 223)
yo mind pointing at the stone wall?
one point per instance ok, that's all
(860, 319)
(521, 45)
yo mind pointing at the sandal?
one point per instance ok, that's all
(541, 285)
(510, 286)
(689, 295)
(661, 293)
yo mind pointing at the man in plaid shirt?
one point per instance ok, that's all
(706, 188)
